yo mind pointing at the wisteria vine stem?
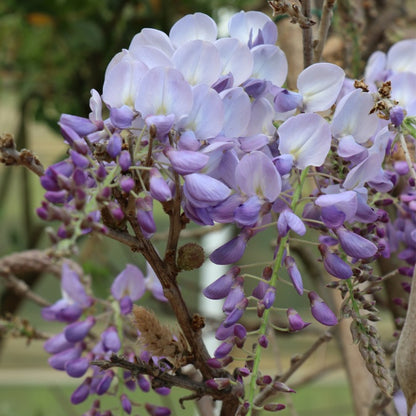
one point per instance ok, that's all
(273, 281)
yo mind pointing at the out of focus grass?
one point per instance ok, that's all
(323, 399)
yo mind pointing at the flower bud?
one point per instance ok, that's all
(81, 392)
(218, 383)
(320, 310)
(77, 331)
(114, 145)
(77, 367)
(124, 160)
(190, 256)
(273, 407)
(105, 382)
(57, 343)
(223, 350)
(263, 341)
(125, 403)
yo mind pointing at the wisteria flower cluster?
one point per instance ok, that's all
(205, 127)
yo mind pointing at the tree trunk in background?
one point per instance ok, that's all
(290, 41)
(362, 385)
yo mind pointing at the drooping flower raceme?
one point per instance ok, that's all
(206, 128)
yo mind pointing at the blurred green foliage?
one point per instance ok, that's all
(54, 52)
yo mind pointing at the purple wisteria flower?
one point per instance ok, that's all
(203, 130)
(128, 287)
(74, 299)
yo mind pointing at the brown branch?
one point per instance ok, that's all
(19, 327)
(10, 156)
(307, 35)
(166, 272)
(406, 351)
(22, 289)
(175, 226)
(123, 237)
(325, 23)
(163, 378)
(15, 265)
(325, 337)
(321, 372)
(270, 390)
(296, 14)
(29, 261)
(386, 17)
(194, 233)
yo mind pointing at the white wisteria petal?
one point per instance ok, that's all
(153, 37)
(237, 109)
(320, 85)
(235, 58)
(307, 137)
(270, 63)
(256, 174)
(403, 88)
(207, 115)
(151, 56)
(261, 120)
(122, 81)
(164, 91)
(401, 57)
(191, 27)
(375, 67)
(245, 26)
(352, 117)
(199, 61)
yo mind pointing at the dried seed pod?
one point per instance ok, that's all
(159, 339)
(190, 256)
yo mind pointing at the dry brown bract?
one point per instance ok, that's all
(159, 339)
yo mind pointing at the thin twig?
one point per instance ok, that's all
(22, 289)
(125, 238)
(10, 156)
(325, 23)
(407, 155)
(29, 261)
(325, 337)
(286, 7)
(295, 365)
(307, 35)
(194, 233)
(163, 378)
